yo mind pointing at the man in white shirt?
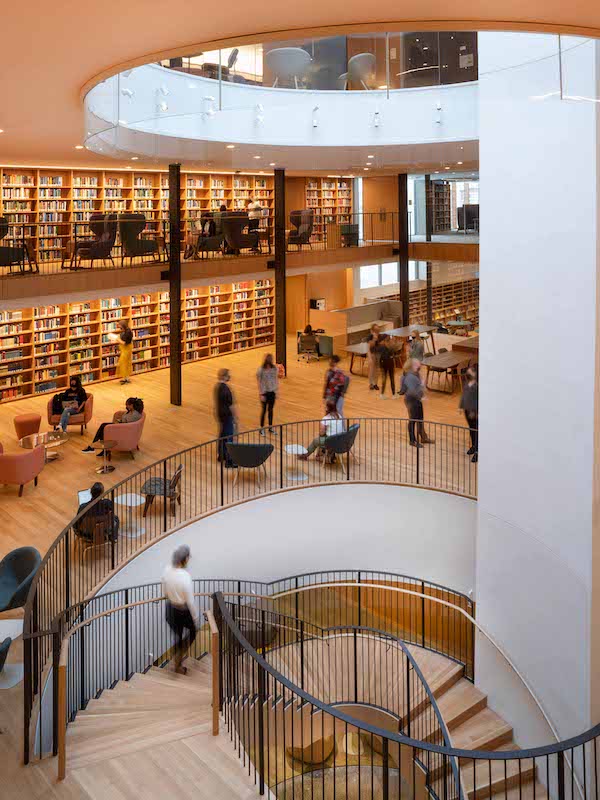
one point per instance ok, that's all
(254, 211)
(181, 614)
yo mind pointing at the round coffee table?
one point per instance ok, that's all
(48, 439)
(106, 445)
(296, 475)
(129, 501)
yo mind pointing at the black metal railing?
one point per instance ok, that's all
(168, 497)
(118, 240)
(297, 744)
(287, 700)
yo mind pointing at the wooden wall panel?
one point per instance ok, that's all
(296, 303)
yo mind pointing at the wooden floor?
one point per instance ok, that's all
(39, 516)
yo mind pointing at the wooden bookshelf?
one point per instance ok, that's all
(460, 298)
(331, 201)
(48, 201)
(41, 347)
(441, 206)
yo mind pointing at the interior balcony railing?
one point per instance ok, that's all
(116, 241)
(187, 485)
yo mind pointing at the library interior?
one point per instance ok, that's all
(249, 544)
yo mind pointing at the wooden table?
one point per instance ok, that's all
(444, 362)
(469, 344)
(362, 348)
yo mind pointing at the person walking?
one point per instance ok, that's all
(413, 390)
(225, 413)
(268, 386)
(125, 339)
(469, 402)
(336, 384)
(181, 614)
(373, 355)
(387, 363)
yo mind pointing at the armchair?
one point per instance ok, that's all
(127, 436)
(17, 571)
(18, 469)
(130, 229)
(75, 419)
(233, 225)
(303, 224)
(16, 254)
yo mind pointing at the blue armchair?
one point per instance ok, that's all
(16, 574)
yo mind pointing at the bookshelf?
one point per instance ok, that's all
(449, 300)
(331, 201)
(46, 202)
(441, 206)
(41, 347)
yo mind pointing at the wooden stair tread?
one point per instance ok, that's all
(460, 702)
(486, 730)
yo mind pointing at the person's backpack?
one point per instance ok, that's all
(57, 405)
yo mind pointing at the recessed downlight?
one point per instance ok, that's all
(230, 147)
(256, 156)
(272, 164)
(459, 163)
(366, 169)
(370, 156)
(134, 158)
(77, 146)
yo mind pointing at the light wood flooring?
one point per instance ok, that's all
(39, 516)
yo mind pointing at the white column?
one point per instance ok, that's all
(539, 259)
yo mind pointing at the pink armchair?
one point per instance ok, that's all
(75, 419)
(20, 468)
(127, 435)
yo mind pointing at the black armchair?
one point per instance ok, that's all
(17, 570)
(233, 226)
(303, 222)
(349, 235)
(341, 443)
(104, 228)
(130, 228)
(249, 456)
(4, 648)
(14, 255)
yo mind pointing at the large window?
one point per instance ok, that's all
(386, 274)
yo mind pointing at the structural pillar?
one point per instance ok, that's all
(403, 246)
(429, 293)
(280, 309)
(175, 282)
(428, 209)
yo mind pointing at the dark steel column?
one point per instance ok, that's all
(280, 311)
(429, 294)
(428, 208)
(403, 246)
(175, 282)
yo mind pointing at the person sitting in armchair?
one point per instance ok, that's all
(102, 511)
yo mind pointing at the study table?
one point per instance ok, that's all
(362, 348)
(470, 344)
(440, 364)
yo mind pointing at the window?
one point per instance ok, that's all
(389, 273)
(369, 276)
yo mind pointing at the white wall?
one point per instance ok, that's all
(415, 532)
(538, 291)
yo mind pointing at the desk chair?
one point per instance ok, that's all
(288, 63)
(307, 347)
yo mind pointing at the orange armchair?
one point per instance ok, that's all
(76, 419)
(18, 469)
(127, 435)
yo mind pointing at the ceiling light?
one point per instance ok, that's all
(366, 169)
(272, 164)
(77, 146)
(261, 172)
(370, 156)
(231, 147)
(459, 162)
(446, 167)
(383, 86)
(437, 172)
(134, 158)
(256, 156)
(461, 147)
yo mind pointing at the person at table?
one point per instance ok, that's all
(134, 408)
(386, 350)
(181, 614)
(413, 391)
(417, 346)
(336, 384)
(125, 339)
(69, 402)
(99, 512)
(226, 415)
(469, 403)
(331, 424)
(268, 386)
(308, 331)
(373, 355)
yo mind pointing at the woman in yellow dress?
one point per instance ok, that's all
(125, 352)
